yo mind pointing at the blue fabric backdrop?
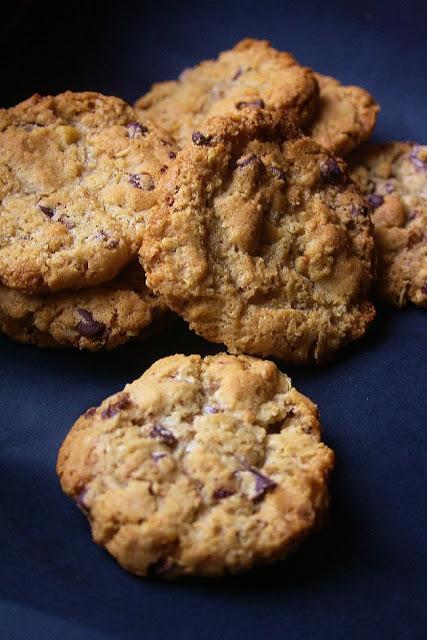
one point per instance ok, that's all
(365, 575)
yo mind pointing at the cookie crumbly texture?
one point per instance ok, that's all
(99, 318)
(345, 116)
(261, 242)
(202, 466)
(394, 177)
(251, 74)
(77, 173)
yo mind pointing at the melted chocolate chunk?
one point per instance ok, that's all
(200, 140)
(259, 103)
(245, 160)
(375, 200)
(115, 407)
(88, 327)
(164, 435)
(278, 173)
(263, 484)
(136, 130)
(331, 172)
(142, 181)
(172, 155)
(48, 211)
(221, 493)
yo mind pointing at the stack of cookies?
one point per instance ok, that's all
(223, 197)
(226, 187)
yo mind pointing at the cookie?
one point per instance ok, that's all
(261, 242)
(77, 173)
(345, 116)
(251, 74)
(202, 466)
(99, 318)
(394, 177)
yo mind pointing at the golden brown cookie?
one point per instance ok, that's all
(345, 116)
(394, 177)
(261, 242)
(251, 74)
(202, 466)
(99, 318)
(77, 173)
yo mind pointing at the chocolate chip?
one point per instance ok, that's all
(164, 435)
(200, 140)
(48, 211)
(209, 409)
(278, 173)
(375, 200)
(419, 164)
(114, 408)
(221, 493)
(172, 155)
(160, 568)
(263, 484)
(245, 160)
(88, 327)
(136, 130)
(331, 172)
(142, 181)
(79, 499)
(158, 456)
(163, 168)
(253, 103)
(358, 211)
(90, 412)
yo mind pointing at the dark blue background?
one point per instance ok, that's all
(365, 575)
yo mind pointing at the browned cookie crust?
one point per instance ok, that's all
(394, 177)
(203, 466)
(344, 118)
(251, 74)
(99, 318)
(261, 242)
(77, 173)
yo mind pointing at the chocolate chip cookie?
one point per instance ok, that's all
(345, 116)
(394, 177)
(77, 173)
(261, 242)
(99, 318)
(251, 74)
(202, 466)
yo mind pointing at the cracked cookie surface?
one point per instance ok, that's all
(100, 318)
(77, 173)
(251, 74)
(394, 178)
(344, 118)
(202, 466)
(261, 242)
